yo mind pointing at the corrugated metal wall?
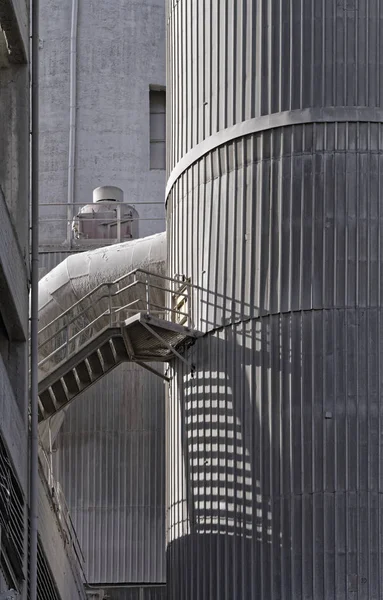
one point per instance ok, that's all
(275, 470)
(110, 462)
(229, 61)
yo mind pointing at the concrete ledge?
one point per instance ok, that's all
(15, 23)
(13, 279)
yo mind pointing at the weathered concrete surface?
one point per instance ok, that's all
(14, 245)
(14, 148)
(121, 52)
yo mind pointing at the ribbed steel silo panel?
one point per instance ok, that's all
(275, 486)
(274, 211)
(311, 239)
(232, 61)
(110, 462)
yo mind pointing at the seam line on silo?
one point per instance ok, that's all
(274, 121)
(284, 313)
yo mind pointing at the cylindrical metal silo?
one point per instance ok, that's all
(274, 211)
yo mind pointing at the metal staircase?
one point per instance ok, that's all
(141, 317)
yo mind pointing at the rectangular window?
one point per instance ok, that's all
(157, 101)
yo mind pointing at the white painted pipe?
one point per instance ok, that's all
(33, 447)
(80, 273)
(72, 116)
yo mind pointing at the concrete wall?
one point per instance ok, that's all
(120, 54)
(14, 141)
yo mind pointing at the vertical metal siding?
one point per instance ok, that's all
(230, 61)
(284, 220)
(275, 487)
(110, 462)
(274, 446)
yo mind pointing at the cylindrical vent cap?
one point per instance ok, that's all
(108, 193)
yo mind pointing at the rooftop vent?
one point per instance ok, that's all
(108, 193)
(108, 218)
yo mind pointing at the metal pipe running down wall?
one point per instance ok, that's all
(72, 117)
(34, 147)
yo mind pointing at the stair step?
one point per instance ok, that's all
(71, 383)
(83, 373)
(47, 401)
(95, 364)
(107, 354)
(60, 394)
(119, 348)
(41, 411)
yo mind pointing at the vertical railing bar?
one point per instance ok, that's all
(147, 294)
(67, 337)
(119, 222)
(110, 304)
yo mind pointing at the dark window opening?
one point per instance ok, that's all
(157, 101)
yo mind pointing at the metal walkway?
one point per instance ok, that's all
(125, 320)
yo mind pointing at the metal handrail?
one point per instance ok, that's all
(73, 327)
(116, 281)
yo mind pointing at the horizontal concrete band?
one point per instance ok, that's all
(273, 121)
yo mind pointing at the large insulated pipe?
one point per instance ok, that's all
(274, 208)
(81, 273)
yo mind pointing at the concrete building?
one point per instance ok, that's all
(102, 110)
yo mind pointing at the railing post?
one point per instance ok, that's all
(119, 223)
(67, 336)
(147, 295)
(110, 305)
(189, 304)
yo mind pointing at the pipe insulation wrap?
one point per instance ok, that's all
(81, 273)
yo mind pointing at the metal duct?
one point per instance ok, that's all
(274, 211)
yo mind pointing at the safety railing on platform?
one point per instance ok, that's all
(109, 305)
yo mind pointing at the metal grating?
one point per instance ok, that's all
(11, 513)
(46, 587)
